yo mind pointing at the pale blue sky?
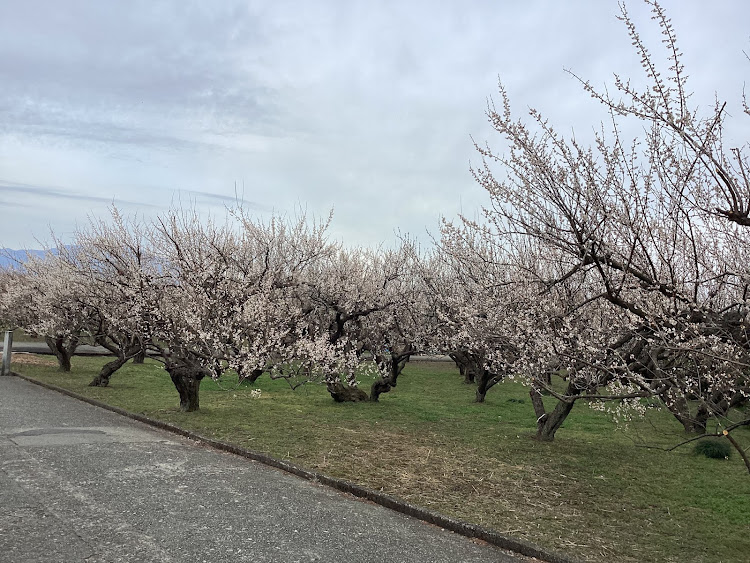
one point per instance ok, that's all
(366, 107)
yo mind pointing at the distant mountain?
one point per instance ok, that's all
(10, 257)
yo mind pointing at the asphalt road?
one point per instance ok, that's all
(79, 483)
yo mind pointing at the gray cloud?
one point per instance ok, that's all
(237, 200)
(22, 194)
(14, 203)
(352, 105)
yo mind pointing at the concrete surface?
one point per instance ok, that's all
(78, 483)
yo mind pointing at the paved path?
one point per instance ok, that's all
(78, 483)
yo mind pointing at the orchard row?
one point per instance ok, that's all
(604, 274)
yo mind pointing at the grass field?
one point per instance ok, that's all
(595, 493)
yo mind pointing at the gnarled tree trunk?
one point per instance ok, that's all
(344, 393)
(486, 380)
(679, 406)
(470, 365)
(548, 423)
(123, 348)
(716, 405)
(186, 377)
(395, 363)
(462, 362)
(63, 348)
(102, 378)
(254, 375)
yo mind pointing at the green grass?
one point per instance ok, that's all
(593, 493)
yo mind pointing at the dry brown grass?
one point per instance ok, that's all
(26, 359)
(445, 476)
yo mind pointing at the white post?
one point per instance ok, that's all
(7, 345)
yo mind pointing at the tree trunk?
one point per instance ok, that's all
(343, 393)
(700, 421)
(678, 405)
(256, 373)
(140, 357)
(63, 351)
(486, 380)
(547, 427)
(123, 348)
(465, 368)
(102, 379)
(547, 424)
(717, 405)
(396, 364)
(379, 387)
(187, 380)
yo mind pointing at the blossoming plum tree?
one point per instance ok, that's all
(111, 268)
(365, 304)
(43, 299)
(228, 297)
(636, 249)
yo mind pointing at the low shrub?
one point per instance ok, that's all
(715, 448)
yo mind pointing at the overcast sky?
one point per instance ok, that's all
(368, 108)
